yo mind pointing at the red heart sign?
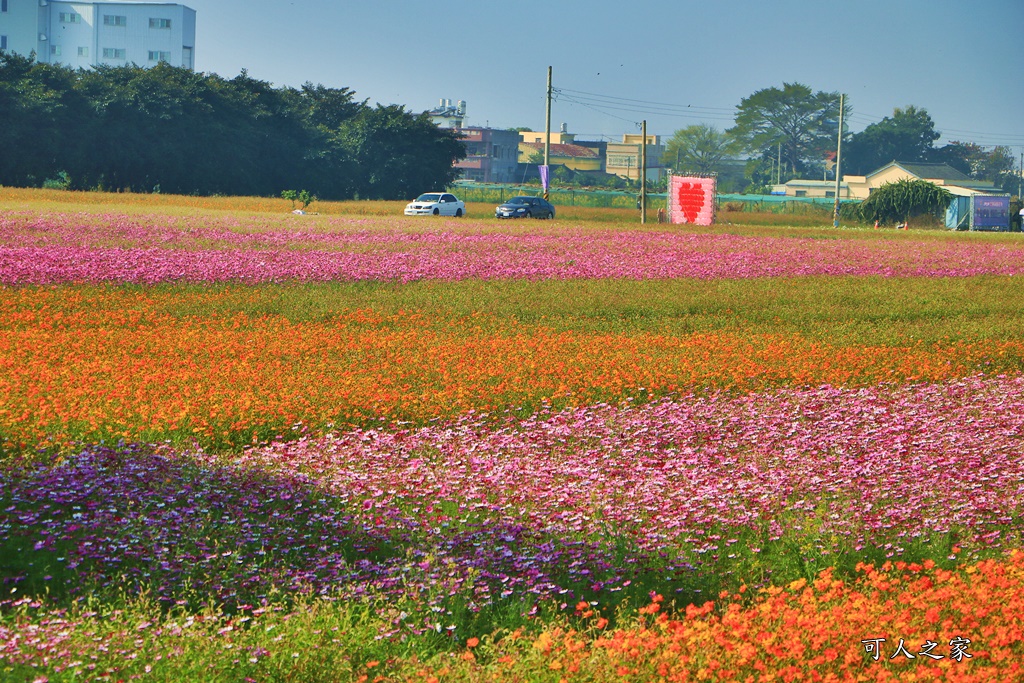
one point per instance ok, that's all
(691, 200)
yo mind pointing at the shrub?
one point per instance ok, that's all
(61, 182)
(904, 199)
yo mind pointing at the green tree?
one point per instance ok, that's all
(328, 107)
(39, 111)
(904, 199)
(976, 161)
(397, 154)
(906, 136)
(996, 165)
(701, 148)
(794, 121)
(186, 132)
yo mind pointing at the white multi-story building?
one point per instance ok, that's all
(87, 34)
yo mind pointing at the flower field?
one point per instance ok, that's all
(239, 446)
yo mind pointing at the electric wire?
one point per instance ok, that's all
(615, 106)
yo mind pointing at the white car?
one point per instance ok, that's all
(437, 204)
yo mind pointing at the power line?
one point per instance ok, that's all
(606, 104)
(593, 108)
(731, 110)
(606, 107)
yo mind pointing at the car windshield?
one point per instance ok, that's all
(428, 198)
(519, 200)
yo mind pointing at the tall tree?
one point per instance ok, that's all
(185, 132)
(793, 121)
(908, 135)
(700, 148)
(976, 161)
(398, 154)
(39, 111)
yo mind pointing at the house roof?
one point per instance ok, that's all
(565, 150)
(797, 182)
(926, 170)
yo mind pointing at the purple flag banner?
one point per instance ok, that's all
(544, 171)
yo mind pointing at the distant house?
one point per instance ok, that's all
(942, 175)
(811, 188)
(624, 158)
(447, 114)
(574, 157)
(861, 186)
(561, 137)
(492, 155)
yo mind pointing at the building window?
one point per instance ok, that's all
(159, 23)
(83, 52)
(114, 20)
(55, 50)
(3, 42)
(114, 53)
(70, 18)
(157, 56)
(3, 7)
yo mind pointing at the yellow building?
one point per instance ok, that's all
(861, 186)
(574, 157)
(557, 138)
(943, 175)
(623, 158)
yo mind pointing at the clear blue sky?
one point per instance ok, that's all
(671, 62)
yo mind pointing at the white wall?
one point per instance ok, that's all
(92, 40)
(20, 24)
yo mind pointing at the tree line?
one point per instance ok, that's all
(791, 132)
(169, 129)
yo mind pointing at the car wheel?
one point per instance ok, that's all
(550, 215)
(528, 215)
(437, 212)
(458, 213)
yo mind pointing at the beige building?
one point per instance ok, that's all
(943, 175)
(861, 186)
(811, 188)
(557, 137)
(623, 158)
(575, 157)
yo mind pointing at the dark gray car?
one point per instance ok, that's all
(525, 207)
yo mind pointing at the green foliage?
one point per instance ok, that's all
(906, 136)
(701, 149)
(996, 165)
(61, 182)
(394, 154)
(795, 118)
(904, 199)
(302, 196)
(129, 128)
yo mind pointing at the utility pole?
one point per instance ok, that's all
(1020, 179)
(547, 135)
(839, 156)
(778, 167)
(643, 172)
